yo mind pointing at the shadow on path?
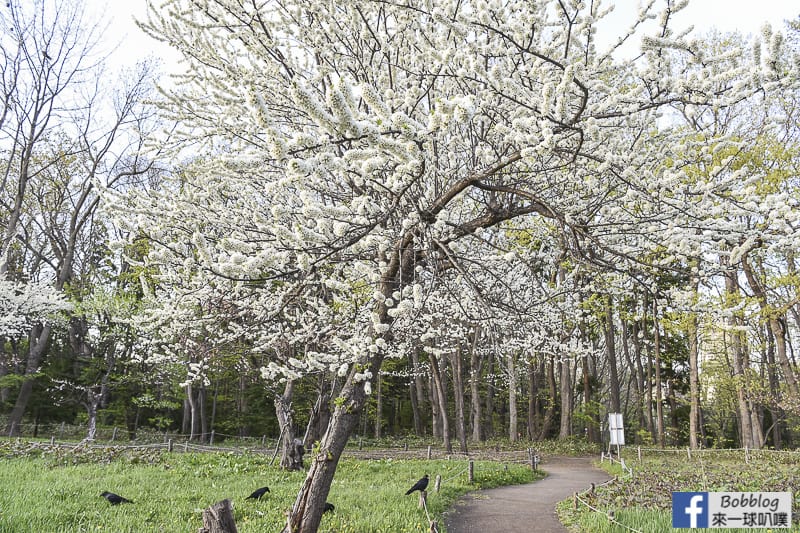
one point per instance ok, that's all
(524, 508)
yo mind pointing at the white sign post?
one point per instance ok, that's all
(616, 430)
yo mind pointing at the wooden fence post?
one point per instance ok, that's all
(211, 442)
(437, 483)
(114, 434)
(429, 453)
(434, 527)
(263, 440)
(169, 445)
(218, 518)
(471, 476)
(423, 499)
(639, 453)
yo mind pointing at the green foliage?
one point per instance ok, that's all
(58, 490)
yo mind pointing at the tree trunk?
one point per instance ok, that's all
(219, 518)
(39, 337)
(740, 359)
(635, 369)
(513, 434)
(565, 429)
(378, 408)
(694, 370)
(489, 415)
(534, 414)
(694, 382)
(661, 437)
(775, 392)
(439, 387)
(419, 391)
(552, 401)
(475, 366)
(291, 456)
(611, 355)
(307, 510)
(778, 331)
(458, 397)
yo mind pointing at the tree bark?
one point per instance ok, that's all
(513, 433)
(475, 366)
(219, 518)
(290, 458)
(565, 429)
(611, 355)
(39, 337)
(775, 325)
(661, 437)
(458, 397)
(439, 388)
(740, 359)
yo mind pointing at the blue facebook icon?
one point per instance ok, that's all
(690, 509)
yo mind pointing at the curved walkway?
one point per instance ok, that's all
(523, 508)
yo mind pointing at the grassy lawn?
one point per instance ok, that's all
(48, 489)
(643, 502)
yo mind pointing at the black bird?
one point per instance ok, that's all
(258, 493)
(420, 485)
(328, 507)
(114, 499)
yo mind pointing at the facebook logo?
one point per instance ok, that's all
(690, 509)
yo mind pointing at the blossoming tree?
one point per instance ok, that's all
(339, 152)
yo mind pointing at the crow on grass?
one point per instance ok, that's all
(258, 493)
(420, 485)
(328, 507)
(114, 499)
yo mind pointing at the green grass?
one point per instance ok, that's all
(53, 490)
(643, 502)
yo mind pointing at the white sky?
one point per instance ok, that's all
(746, 16)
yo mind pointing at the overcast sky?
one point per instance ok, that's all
(746, 16)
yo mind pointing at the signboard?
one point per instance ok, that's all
(616, 429)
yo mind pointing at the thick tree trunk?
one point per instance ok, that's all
(307, 510)
(219, 518)
(565, 429)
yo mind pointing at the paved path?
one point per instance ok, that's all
(524, 508)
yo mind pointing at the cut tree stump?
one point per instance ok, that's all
(218, 518)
